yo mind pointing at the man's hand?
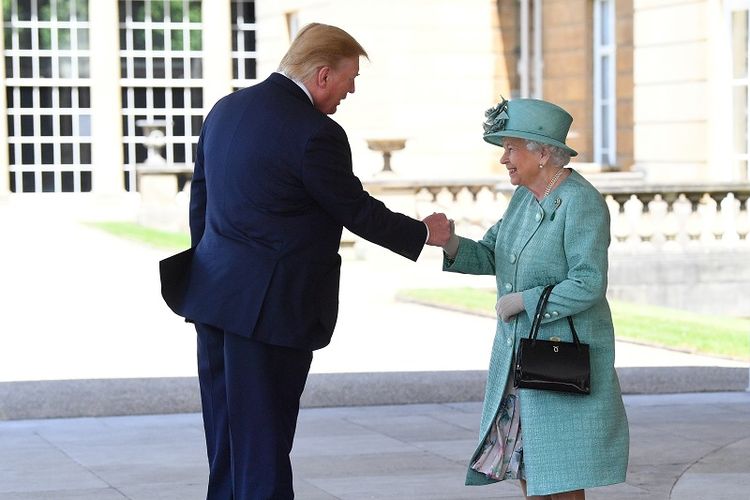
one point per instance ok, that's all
(509, 305)
(440, 229)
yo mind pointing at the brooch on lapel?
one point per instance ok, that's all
(558, 202)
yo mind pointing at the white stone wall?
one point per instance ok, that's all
(429, 79)
(702, 282)
(679, 116)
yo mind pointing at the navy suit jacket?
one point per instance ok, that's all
(272, 189)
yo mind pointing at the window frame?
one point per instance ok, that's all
(605, 93)
(240, 29)
(69, 167)
(140, 93)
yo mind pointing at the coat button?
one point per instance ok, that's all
(512, 258)
(555, 313)
(508, 287)
(547, 316)
(509, 341)
(538, 217)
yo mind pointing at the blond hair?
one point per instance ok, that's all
(317, 45)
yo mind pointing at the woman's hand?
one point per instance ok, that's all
(451, 247)
(509, 305)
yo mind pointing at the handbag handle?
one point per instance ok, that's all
(540, 306)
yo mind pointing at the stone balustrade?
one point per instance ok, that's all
(673, 217)
(644, 216)
(680, 216)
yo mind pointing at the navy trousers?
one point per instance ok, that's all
(250, 394)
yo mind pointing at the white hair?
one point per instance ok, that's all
(558, 156)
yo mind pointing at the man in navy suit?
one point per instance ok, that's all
(272, 189)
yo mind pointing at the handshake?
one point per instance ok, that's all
(442, 233)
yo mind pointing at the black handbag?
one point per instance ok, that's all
(552, 365)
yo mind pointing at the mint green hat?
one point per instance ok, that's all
(531, 119)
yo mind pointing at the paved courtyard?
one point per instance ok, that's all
(683, 447)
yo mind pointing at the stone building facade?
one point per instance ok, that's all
(657, 88)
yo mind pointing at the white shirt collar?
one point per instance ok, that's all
(301, 85)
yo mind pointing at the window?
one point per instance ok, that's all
(161, 66)
(292, 25)
(605, 99)
(244, 70)
(48, 95)
(530, 58)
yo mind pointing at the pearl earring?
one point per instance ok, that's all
(541, 166)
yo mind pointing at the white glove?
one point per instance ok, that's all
(509, 305)
(451, 248)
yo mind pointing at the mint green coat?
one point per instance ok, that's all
(570, 441)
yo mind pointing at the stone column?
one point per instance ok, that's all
(217, 49)
(106, 105)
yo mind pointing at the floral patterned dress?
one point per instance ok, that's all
(501, 455)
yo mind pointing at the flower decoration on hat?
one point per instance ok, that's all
(496, 117)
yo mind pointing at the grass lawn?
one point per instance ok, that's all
(147, 235)
(658, 326)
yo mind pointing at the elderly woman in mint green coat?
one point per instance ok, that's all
(555, 231)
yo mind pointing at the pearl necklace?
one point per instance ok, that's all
(552, 182)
